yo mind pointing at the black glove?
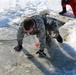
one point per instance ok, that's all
(41, 53)
(18, 48)
(59, 39)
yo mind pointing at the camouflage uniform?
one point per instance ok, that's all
(39, 30)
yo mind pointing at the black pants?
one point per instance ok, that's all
(64, 2)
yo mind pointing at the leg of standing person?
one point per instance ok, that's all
(73, 6)
(63, 3)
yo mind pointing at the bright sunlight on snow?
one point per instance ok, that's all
(12, 12)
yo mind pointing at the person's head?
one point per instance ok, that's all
(28, 25)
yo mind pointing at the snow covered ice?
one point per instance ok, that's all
(61, 58)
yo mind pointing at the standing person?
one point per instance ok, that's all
(72, 3)
(38, 25)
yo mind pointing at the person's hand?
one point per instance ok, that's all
(18, 48)
(41, 53)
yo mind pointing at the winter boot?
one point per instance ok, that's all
(62, 12)
(59, 39)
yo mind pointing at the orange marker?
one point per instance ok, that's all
(37, 44)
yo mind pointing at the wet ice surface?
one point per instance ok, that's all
(60, 59)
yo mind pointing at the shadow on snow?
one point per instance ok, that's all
(62, 57)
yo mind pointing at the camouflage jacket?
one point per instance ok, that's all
(39, 30)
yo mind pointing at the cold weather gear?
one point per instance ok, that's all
(63, 11)
(18, 48)
(72, 3)
(44, 26)
(40, 29)
(41, 53)
(59, 39)
(48, 40)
